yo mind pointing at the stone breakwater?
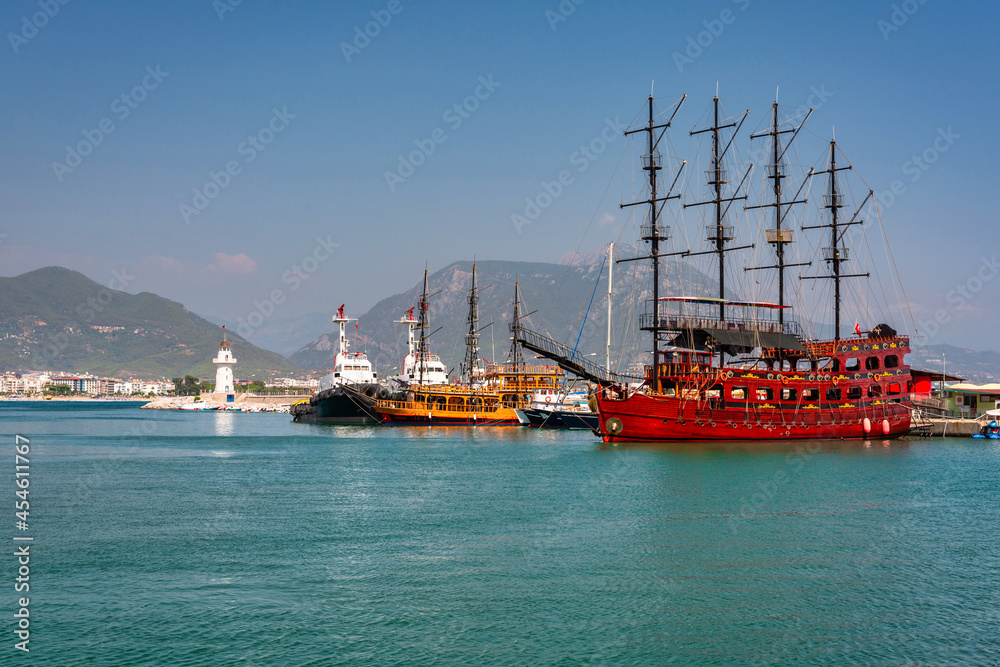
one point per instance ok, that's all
(281, 405)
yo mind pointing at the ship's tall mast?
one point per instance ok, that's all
(516, 357)
(611, 266)
(472, 337)
(779, 237)
(422, 346)
(718, 232)
(833, 204)
(651, 231)
(836, 254)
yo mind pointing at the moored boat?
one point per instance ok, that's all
(552, 408)
(346, 395)
(784, 385)
(487, 396)
(728, 369)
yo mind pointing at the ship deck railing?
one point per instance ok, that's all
(827, 348)
(686, 323)
(510, 369)
(424, 406)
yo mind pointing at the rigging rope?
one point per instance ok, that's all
(594, 293)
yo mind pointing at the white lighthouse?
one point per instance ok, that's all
(224, 370)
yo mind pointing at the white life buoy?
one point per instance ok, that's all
(548, 399)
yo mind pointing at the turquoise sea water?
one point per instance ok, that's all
(171, 538)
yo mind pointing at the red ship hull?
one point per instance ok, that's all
(659, 418)
(741, 404)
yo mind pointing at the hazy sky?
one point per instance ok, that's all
(215, 152)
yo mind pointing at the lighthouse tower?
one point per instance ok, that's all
(224, 370)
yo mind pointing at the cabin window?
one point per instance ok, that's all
(833, 394)
(874, 391)
(803, 365)
(871, 363)
(788, 394)
(892, 389)
(765, 394)
(892, 361)
(811, 394)
(738, 393)
(853, 393)
(852, 365)
(714, 396)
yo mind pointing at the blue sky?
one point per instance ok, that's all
(201, 78)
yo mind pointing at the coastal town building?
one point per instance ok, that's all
(971, 400)
(18, 383)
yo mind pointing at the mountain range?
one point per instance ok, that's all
(555, 297)
(57, 319)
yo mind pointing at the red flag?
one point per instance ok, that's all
(857, 328)
(223, 326)
(355, 326)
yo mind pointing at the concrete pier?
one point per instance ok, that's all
(955, 428)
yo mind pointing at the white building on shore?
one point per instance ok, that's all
(224, 383)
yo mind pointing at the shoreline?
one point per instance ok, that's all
(89, 399)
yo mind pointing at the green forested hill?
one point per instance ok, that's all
(58, 319)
